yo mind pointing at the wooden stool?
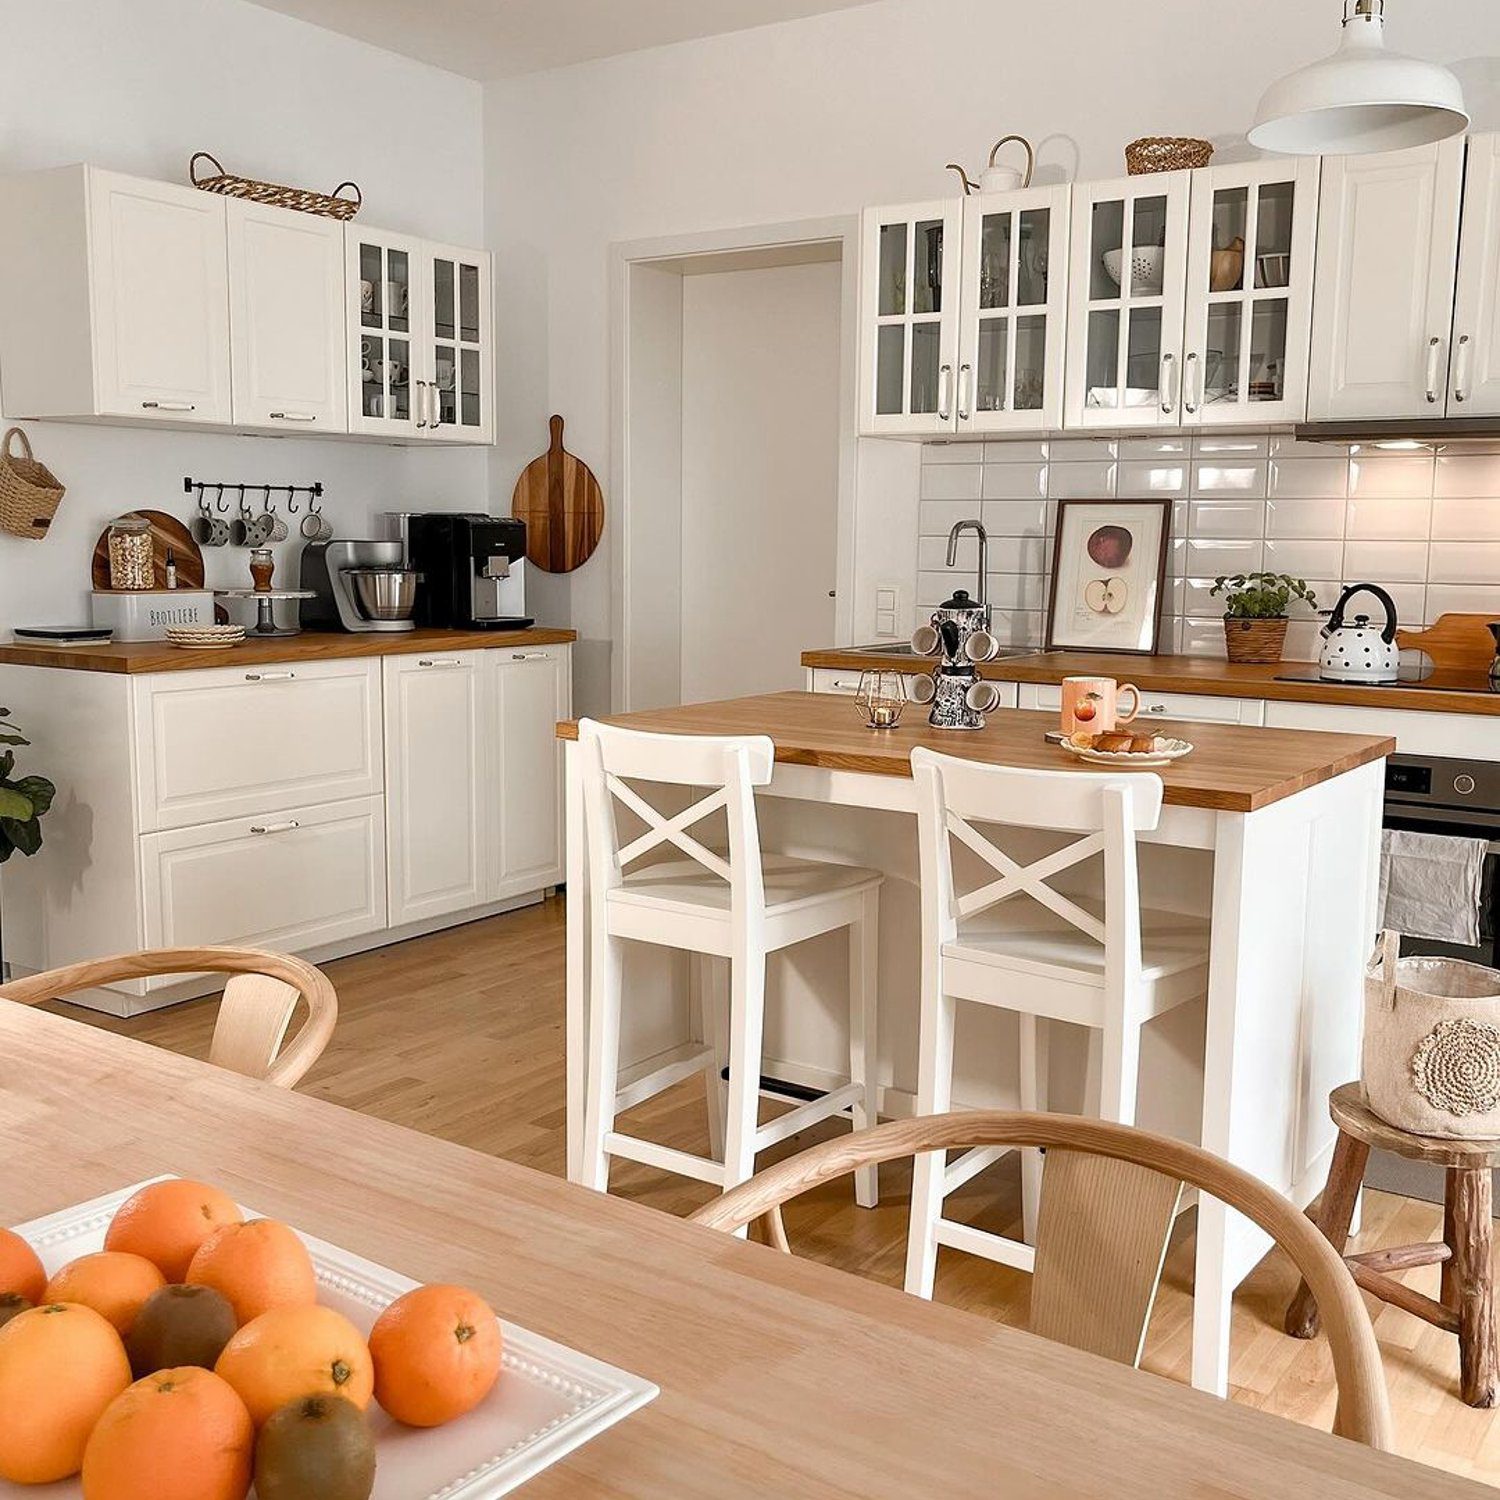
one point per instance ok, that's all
(1467, 1306)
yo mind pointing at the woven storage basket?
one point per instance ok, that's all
(1254, 640)
(1166, 153)
(304, 200)
(29, 491)
(1432, 1044)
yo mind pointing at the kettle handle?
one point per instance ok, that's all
(1336, 622)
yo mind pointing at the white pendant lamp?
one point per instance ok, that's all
(1363, 98)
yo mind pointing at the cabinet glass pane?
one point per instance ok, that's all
(1273, 234)
(1268, 349)
(1143, 357)
(398, 290)
(1226, 263)
(468, 304)
(1031, 363)
(1148, 236)
(371, 286)
(892, 270)
(443, 299)
(468, 411)
(989, 372)
(1104, 357)
(1107, 236)
(1221, 355)
(385, 377)
(1032, 267)
(926, 344)
(890, 364)
(927, 267)
(994, 261)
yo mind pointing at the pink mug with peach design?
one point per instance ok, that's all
(1091, 704)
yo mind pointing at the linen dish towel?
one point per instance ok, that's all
(1431, 885)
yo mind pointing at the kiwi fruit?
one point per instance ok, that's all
(12, 1303)
(315, 1448)
(180, 1325)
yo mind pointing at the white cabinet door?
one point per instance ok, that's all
(1014, 311)
(281, 880)
(286, 319)
(436, 784)
(1383, 293)
(1252, 230)
(160, 299)
(384, 290)
(530, 693)
(455, 341)
(1128, 270)
(1474, 384)
(909, 316)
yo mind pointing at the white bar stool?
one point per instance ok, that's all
(1048, 957)
(740, 906)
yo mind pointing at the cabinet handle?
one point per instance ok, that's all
(1434, 346)
(440, 661)
(844, 687)
(965, 383)
(945, 392)
(1168, 383)
(286, 827)
(419, 401)
(1190, 405)
(293, 416)
(434, 405)
(269, 676)
(528, 656)
(1461, 369)
(168, 406)
(1156, 708)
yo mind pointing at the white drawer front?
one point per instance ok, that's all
(288, 881)
(1474, 735)
(223, 743)
(1202, 708)
(838, 680)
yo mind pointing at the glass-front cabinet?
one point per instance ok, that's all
(1127, 273)
(421, 361)
(1251, 242)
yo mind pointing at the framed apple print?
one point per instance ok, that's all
(1109, 575)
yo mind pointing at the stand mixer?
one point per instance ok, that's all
(959, 633)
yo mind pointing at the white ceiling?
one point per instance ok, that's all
(489, 39)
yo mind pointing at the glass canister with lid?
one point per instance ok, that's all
(131, 561)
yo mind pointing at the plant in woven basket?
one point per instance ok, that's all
(1255, 613)
(24, 800)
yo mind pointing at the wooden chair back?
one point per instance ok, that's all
(254, 1012)
(617, 764)
(1109, 1196)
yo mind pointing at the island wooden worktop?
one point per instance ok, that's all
(311, 645)
(1209, 675)
(1233, 768)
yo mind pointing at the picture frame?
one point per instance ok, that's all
(1109, 576)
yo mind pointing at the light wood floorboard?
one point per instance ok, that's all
(461, 1035)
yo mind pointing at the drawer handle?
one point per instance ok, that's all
(168, 406)
(528, 656)
(293, 416)
(440, 661)
(1156, 708)
(845, 687)
(269, 676)
(286, 827)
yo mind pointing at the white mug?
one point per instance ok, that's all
(381, 406)
(388, 370)
(368, 348)
(366, 296)
(445, 374)
(395, 299)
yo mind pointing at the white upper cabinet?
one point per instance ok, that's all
(1127, 276)
(1252, 230)
(909, 284)
(457, 344)
(1474, 378)
(1013, 311)
(1383, 310)
(286, 319)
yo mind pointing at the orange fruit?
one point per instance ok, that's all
(437, 1354)
(60, 1366)
(113, 1282)
(167, 1222)
(176, 1435)
(257, 1266)
(20, 1270)
(297, 1351)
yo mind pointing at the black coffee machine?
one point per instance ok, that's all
(473, 569)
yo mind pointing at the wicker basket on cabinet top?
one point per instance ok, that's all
(303, 200)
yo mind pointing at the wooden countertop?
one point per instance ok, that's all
(1233, 768)
(311, 645)
(777, 1375)
(1182, 674)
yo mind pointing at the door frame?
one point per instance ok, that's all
(752, 247)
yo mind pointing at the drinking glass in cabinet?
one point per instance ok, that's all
(926, 353)
(927, 267)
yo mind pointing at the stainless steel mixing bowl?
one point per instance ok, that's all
(385, 593)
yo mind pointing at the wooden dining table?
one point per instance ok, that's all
(778, 1376)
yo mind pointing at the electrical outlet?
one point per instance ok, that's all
(887, 609)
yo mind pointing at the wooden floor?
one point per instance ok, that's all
(461, 1035)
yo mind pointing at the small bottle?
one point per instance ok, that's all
(171, 569)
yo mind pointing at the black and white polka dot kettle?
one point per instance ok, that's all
(1354, 650)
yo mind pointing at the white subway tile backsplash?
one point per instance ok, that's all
(1305, 518)
(1202, 638)
(939, 517)
(1014, 517)
(1227, 518)
(1146, 481)
(1215, 557)
(1391, 474)
(1154, 447)
(1015, 481)
(952, 481)
(1388, 517)
(1470, 475)
(1220, 476)
(932, 554)
(1465, 518)
(1464, 562)
(1015, 590)
(1081, 479)
(1284, 445)
(1309, 478)
(1462, 598)
(1241, 445)
(952, 453)
(1017, 554)
(1071, 449)
(1385, 562)
(1305, 559)
(1016, 451)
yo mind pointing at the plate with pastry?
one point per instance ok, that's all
(1126, 747)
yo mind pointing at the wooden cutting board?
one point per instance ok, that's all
(562, 505)
(166, 531)
(1458, 642)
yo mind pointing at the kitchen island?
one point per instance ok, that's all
(1274, 834)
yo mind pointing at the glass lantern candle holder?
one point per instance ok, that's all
(880, 698)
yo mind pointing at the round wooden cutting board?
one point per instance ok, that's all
(562, 505)
(166, 531)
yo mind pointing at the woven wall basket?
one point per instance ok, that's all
(1432, 1044)
(304, 200)
(1166, 153)
(29, 491)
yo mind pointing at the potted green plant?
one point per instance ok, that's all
(24, 801)
(1255, 612)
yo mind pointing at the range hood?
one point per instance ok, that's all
(1405, 431)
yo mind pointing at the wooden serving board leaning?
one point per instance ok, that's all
(562, 505)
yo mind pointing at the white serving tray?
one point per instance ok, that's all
(548, 1401)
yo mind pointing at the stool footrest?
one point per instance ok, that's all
(1403, 1257)
(659, 1073)
(805, 1115)
(649, 1154)
(971, 1164)
(1388, 1289)
(981, 1242)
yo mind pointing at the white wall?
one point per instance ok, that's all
(827, 115)
(138, 87)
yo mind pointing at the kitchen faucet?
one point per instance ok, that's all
(981, 594)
